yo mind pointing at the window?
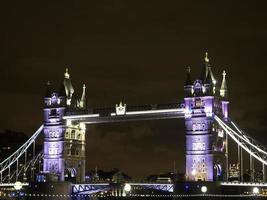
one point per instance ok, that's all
(73, 134)
(198, 146)
(194, 127)
(67, 134)
(203, 126)
(198, 103)
(53, 112)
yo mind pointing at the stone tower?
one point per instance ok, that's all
(206, 143)
(74, 140)
(54, 131)
(64, 140)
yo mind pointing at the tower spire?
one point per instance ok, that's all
(66, 74)
(204, 71)
(223, 89)
(188, 85)
(83, 98)
(48, 91)
(188, 80)
(68, 86)
(206, 58)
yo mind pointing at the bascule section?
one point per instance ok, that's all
(206, 143)
(64, 140)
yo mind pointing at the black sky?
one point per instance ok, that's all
(136, 51)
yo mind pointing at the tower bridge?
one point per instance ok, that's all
(207, 123)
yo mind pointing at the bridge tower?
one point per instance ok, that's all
(64, 140)
(54, 130)
(206, 143)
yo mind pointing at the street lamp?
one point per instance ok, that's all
(17, 186)
(256, 190)
(204, 189)
(127, 187)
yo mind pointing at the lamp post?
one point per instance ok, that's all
(126, 189)
(256, 191)
(17, 186)
(204, 189)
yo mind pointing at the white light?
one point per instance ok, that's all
(68, 123)
(82, 126)
(256, 190)
(80, 116)
(194, 172)
(120, 109)
(18, 185)
(204, 189)
(181, 110)
(127, 187)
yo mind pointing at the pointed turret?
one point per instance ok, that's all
(188, 86)
(208, 84)
(48, 91)
(62, 91)
(223, 89)
(83, 98)
(204, 70)
(68, 87)
(188, 80)
(208, 79)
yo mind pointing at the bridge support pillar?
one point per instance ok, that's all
(206, 145)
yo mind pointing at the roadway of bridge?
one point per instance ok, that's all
(128, 116)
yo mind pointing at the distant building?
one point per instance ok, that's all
(234, 172)
(258, 176)
(162, 178)
(114, 176)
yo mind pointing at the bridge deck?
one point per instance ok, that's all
(128, 116)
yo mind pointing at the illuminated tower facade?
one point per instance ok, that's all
(206, 143)
(64, 140)
(54, 130)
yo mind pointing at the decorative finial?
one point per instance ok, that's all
(188, 69)
(206, 57)
(224, 74)
(67, 75)
(84, 87)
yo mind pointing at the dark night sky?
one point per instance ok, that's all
(136, 51)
